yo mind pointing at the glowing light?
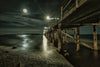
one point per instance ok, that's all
(48, 17)
(25, 10)
(22, 36)
(51, 18)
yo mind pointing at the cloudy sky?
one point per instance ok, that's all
(13, 18)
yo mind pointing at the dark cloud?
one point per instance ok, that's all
(12, 17)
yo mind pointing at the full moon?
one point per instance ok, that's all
(25, 10)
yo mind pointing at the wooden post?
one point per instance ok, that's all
(63, 38)
(76, 3)
(78, 41)
(53, 37)
(95, 38)
(50, 37)
(66, 36)
(59, 40)
(61, 12)
(75, 34)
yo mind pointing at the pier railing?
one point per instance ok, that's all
(58, 31)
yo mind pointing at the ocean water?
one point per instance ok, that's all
(85, 57)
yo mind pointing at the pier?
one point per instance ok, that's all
(50, 33)
(74, 14)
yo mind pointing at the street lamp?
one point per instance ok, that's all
(48, 17)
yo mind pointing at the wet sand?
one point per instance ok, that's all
(29, 51)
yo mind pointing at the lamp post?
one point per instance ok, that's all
(48, 18)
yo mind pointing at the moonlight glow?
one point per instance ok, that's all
(25, 10)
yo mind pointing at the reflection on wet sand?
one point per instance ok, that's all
(33, 51)
(26, 41)
(44, 43)
(46, 50)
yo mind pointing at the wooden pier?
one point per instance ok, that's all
(74, 14)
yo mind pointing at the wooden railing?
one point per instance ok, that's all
(80, 42)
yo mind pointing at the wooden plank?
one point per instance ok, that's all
(67, 4)
(95, 38)
(81, 2)
(69, 28)
(68, 35)
(97, 24)
(86, 45)
(66, 41)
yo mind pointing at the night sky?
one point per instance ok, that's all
(14, 20)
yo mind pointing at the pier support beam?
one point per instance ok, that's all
(76, 3)
(75, 34)
(50, 37)
(53, 37)
(78, 40)
(63, 37)
(59, 40)
(95, 38)
(61, 13)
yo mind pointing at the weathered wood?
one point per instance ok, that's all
(67, 4)
(75, 34)
(68, 35)
(59, 40)
(76, 3)
(51, 37)
(78, 41)
(70, 26)
(66, 41)
(95, 38)
(63, 36)
(61, 13)
(86, 45)
(54, 36)
(81, 2)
